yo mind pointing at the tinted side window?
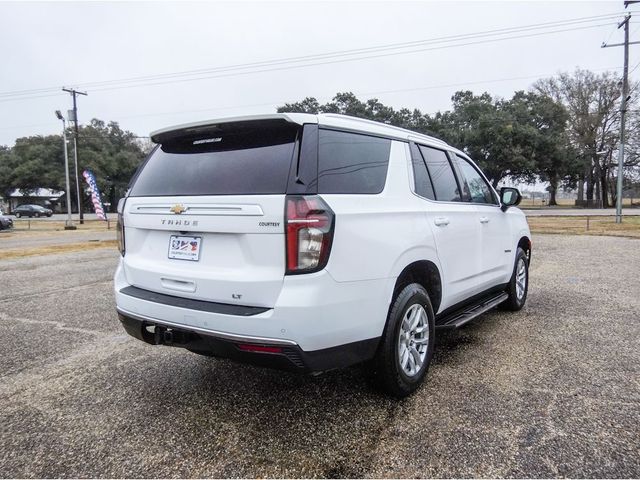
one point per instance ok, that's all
(444, 181)
(352, 163)
(421, 175)
(473, 185)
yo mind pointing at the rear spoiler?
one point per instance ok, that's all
(213, 126)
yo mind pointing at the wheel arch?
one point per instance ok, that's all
(425, 273)
(525, 244)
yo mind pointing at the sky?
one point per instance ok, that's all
(54, 44)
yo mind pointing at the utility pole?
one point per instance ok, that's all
(75, 93)
(623, 111)
(623, 107)
(69, 223)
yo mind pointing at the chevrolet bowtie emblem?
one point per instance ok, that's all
(178, 209)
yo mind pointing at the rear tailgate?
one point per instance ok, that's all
(239, 240)
(204, 218)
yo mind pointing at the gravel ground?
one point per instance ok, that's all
(551, 391)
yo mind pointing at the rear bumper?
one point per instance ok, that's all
(265, 352)
(312, 311)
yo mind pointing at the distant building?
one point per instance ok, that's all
(40, 196)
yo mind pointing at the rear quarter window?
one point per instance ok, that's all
(352, 162)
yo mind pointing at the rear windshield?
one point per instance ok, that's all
(235, 159)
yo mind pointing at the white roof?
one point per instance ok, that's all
(326, 119)
(37, 193)
(361, 124)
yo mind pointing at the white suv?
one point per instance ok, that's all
(314, 242)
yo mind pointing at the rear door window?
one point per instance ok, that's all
(236, 160)
(351, 162)
(441, 172)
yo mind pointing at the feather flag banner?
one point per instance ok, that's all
(95, 194)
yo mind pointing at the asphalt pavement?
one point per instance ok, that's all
(551, 391)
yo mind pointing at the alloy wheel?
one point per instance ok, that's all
(521, 279)
(413, 340)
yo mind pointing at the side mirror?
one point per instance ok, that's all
(509, 197)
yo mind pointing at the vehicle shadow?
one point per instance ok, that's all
(144, 411)
(253, 422)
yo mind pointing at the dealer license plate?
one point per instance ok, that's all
(185, 248)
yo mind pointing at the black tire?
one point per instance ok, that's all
(386, 369)
(515, 302)
(18, 215)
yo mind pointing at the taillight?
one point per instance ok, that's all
(120, 227)
(310, 224)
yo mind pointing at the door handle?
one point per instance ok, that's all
(441, 221)
(484, 219)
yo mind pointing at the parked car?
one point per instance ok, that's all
(32, 211)
(314, 242)
(5, 222)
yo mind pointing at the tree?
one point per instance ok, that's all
(506, 137)
(34, 162)
(593, 103)
(8, 163)
(308, 105)
(542, 122)
(496, 134)
(346, 103)
(112, 154)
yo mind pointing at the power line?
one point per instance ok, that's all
(613, 30)
(326, 98)
(400, 90)
(235, 74)
(31, 97)
(305, 58)
(290, 67)
(332, 57)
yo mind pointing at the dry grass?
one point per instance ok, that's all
(13, 233)
(25, 224)
(630, 226)
(537, 202)
(51, 249)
